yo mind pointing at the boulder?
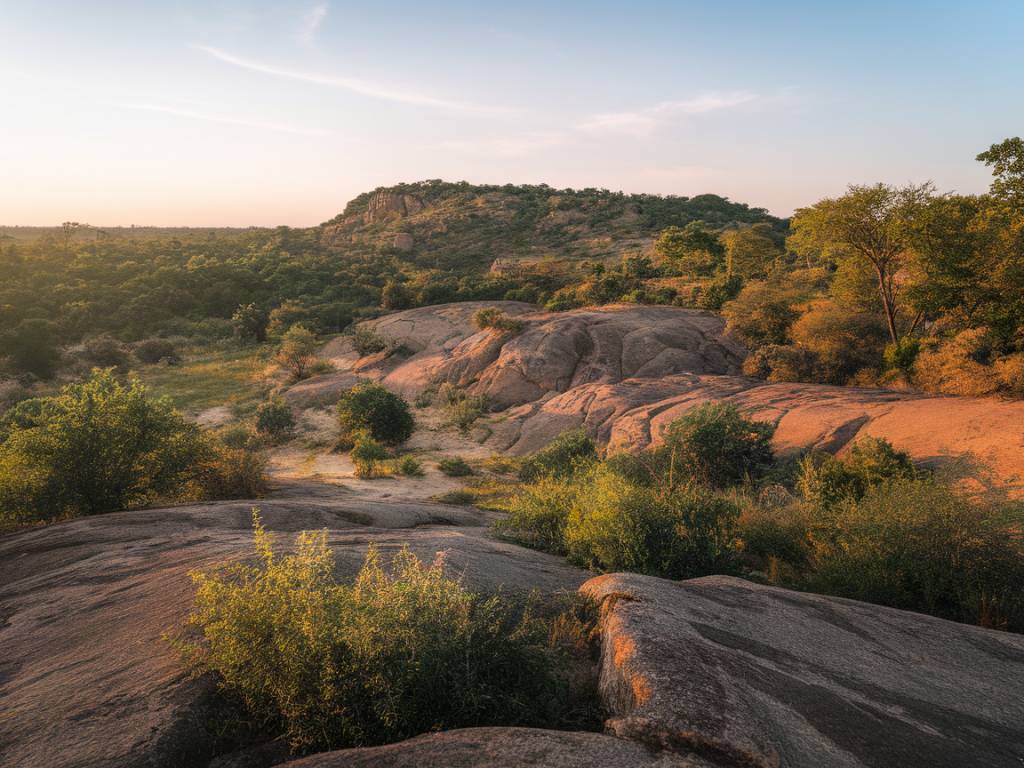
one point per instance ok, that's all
(751, 675)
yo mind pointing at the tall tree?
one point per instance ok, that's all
(874, 224)
(1006, 160)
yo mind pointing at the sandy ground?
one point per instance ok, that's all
(310, 460)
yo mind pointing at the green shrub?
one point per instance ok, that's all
(297, 352)
(920, 546)
(464, 413)
(538, 513)
(366, 341)
(237, 436)
(404, 650)
(562, 457)
(153, 351)
(385, 415)
(615, 525)
(454, 466)
(97, 447)
(775, 536)
(825, 480)
(274, 420)
(715, 444)
(409, 466)
(106, 352)
(492, 317)
(367, 454)
(228, 473)
(901, 355)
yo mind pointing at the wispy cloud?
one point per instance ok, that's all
(309, 23)
(356, 85)
(214, 117)
(509, 146)
(642, 123)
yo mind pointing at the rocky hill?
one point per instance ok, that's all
(442, 224)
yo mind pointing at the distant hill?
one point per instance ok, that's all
(451, 225)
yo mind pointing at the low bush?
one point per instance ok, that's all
(409, 466)
(366, 341)
(465, 412)
(538, 513)
(371, 407)
(562, 457)
(492, 317)
(460, 498)
(274, 420)
(106, 352)
(454, 466)
(152, 351)
(367, 453)
(228, 473)
(297, 353)
(714, 444)
(918, 545)
(402, 651)
(615, 525)
(826, 480)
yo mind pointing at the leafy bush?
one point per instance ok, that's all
(409, 466)
(366, 341)
(538, 513)
(31, 347)
(454, 466)
(371, 407)
(297, 352)
(825, 480)
(249, 324)
(901, 355)
(615, 525)
(781, 362)
(561, 457)
(464, 412)
(492, 317)
(367, 454)
(274, 420)
(153, 351)
(97, 447)
(920, 546)
(106, 352)
(404, 650)
(228, 473)
(715, 444)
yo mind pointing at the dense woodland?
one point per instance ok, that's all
(893, 286)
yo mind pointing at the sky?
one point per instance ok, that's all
(240, 113)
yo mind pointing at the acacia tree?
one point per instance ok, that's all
(873, 225)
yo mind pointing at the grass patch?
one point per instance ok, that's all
(233, 377)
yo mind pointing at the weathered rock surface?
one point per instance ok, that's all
(935, 430)
(749, 675)
(504, 748)
(86, 678)
(553, 352)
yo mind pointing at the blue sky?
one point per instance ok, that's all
(229, 112)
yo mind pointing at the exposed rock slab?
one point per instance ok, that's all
(749, 675)
(504, 748)
(935, 430)
(86, 678)
(552, 353)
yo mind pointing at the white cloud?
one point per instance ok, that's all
(642, 123)
(356, 85)
(309, 23)
(214, 117)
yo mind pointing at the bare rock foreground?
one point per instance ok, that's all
(709, 672)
